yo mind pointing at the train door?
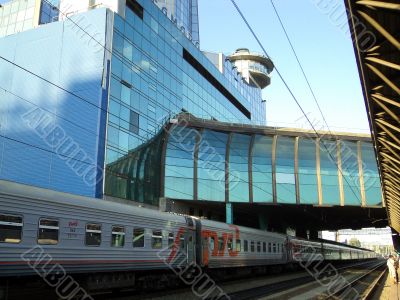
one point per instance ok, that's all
(191, 247)
(289, 249)
(190, 241)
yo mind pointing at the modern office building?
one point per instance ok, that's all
(183, 13)
(21, 15)
(186, 14)
(108, 90)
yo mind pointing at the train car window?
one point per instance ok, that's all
(138, 237)
(252, 249)
(238, 246)
(171, 240)
(269, 248)
(156, 239)
(264, 247)
(274, 248)
(10, 229)
(258, 246)
(212, 243)
(48, 232)
(182, 243)
(117, 236)
(230, 244)
(93, 235)
(246, 246)
(220, 244)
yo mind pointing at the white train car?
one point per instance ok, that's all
(236, 246)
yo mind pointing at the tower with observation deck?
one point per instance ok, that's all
(254, 67)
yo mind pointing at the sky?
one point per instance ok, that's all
(318, 30)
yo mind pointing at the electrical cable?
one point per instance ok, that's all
(293, 96)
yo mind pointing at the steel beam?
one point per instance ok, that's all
(389, 82)
(380, 29)
(379, 4)
(384, 62)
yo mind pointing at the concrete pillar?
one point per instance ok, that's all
(313, 234)
(396, 240)
(229, 213)
(263, 222)
(301, 232)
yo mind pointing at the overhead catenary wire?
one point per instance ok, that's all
(293, 96)
(301, 66)
(305, 76)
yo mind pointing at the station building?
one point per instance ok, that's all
(101, 82)
(88, 101)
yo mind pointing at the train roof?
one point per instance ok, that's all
(242, 229)
(55, 197)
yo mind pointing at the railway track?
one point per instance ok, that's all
(276, 284)
(273, 289)
(361, 287)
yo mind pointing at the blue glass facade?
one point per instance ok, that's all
(329, 172)
(186, 14)
(52, 131)
(275, 168)
(261, 158)
(308, 177)
(157, 72)
(284, 170)
(211, 165)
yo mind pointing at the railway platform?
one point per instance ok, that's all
(390, 290)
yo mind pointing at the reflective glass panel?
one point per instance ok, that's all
(372, 185)
(262, 169)
(350, 176)
(179, 163)
(285, 181)
(329, 173)
(239, 168)
(211, 166)
(308, 171)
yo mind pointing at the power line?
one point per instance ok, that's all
(292, 95)
(66, 91)
(305, 77)
(300, 65)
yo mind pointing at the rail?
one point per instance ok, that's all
(372, 288)
(271, 289)
(354, 282)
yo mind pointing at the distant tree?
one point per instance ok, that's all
(354, 242)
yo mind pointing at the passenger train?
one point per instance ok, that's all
(124, 244)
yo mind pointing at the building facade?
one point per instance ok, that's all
(199, 160)
(134, 73)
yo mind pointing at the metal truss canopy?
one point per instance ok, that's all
(375, 29)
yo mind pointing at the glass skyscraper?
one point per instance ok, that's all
(186, 14)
